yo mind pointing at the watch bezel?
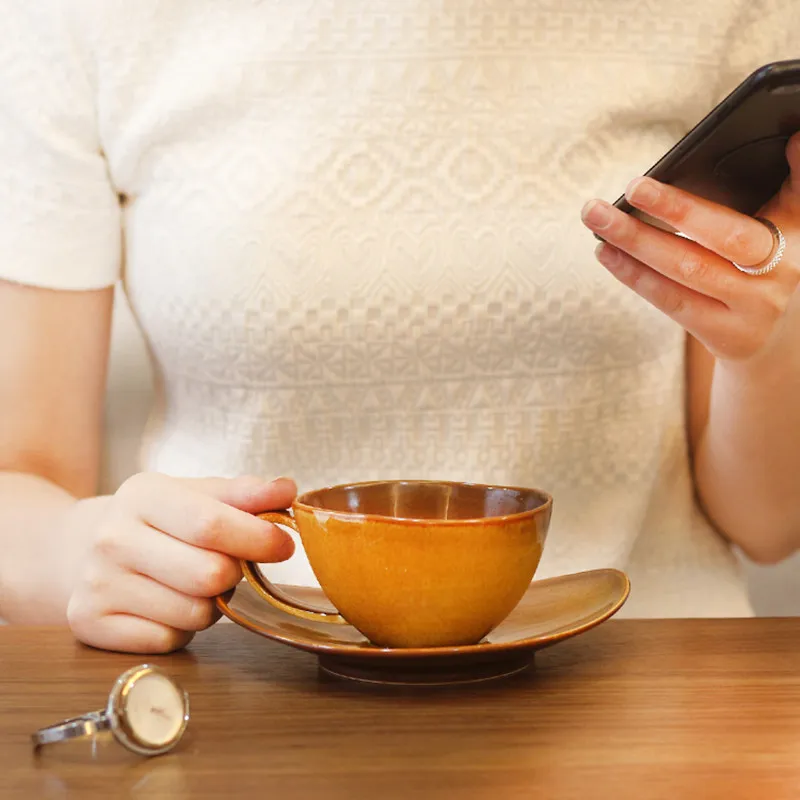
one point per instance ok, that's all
(116, 710)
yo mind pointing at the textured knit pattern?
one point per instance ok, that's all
(350, 232)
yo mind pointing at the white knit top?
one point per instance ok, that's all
(350, 233)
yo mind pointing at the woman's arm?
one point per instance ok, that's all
(745, 430)
(52, 384)
(744, 346)
(135, 571)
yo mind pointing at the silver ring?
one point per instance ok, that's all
(774, 258)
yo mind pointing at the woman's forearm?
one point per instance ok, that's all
(747, 460)
(43, 538)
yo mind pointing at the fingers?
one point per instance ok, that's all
(116, 609)
(247, 493)
(729, 234)
(143, 597)
(136, 547)
(125, 633)
(688, 263)
(678, 259)
(181, 510)
(93, 622)
(696, 312)
(110, 590)
(725, 333)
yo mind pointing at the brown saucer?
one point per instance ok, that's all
(551, 610)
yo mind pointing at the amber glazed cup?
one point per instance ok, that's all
(415, 563)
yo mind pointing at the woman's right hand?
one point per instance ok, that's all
(163, 549)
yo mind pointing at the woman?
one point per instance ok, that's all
(350, 234)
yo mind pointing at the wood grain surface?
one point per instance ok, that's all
(633, 709)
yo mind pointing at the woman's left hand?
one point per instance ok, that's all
(736, 316)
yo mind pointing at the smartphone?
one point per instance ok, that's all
(736, 155)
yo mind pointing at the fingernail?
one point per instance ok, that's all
(643, 192)
(607, 255)
(596, 214)
(286, 549)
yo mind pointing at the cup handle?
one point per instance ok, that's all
(273, 595)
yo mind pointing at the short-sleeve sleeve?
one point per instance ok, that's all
(59, 213)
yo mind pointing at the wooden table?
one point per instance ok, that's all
(633, 709)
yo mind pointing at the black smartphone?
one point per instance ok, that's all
(736, 155)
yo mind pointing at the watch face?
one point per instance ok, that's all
(153, 710)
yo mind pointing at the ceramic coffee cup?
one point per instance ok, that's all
(415, 563)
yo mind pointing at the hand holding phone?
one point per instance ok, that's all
(710, 188)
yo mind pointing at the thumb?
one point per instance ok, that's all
(248, 492)
(792, 186)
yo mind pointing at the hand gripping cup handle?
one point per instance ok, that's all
(275, 596)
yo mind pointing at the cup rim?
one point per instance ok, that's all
(547, 502)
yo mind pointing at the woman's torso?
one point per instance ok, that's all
(353, 243)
